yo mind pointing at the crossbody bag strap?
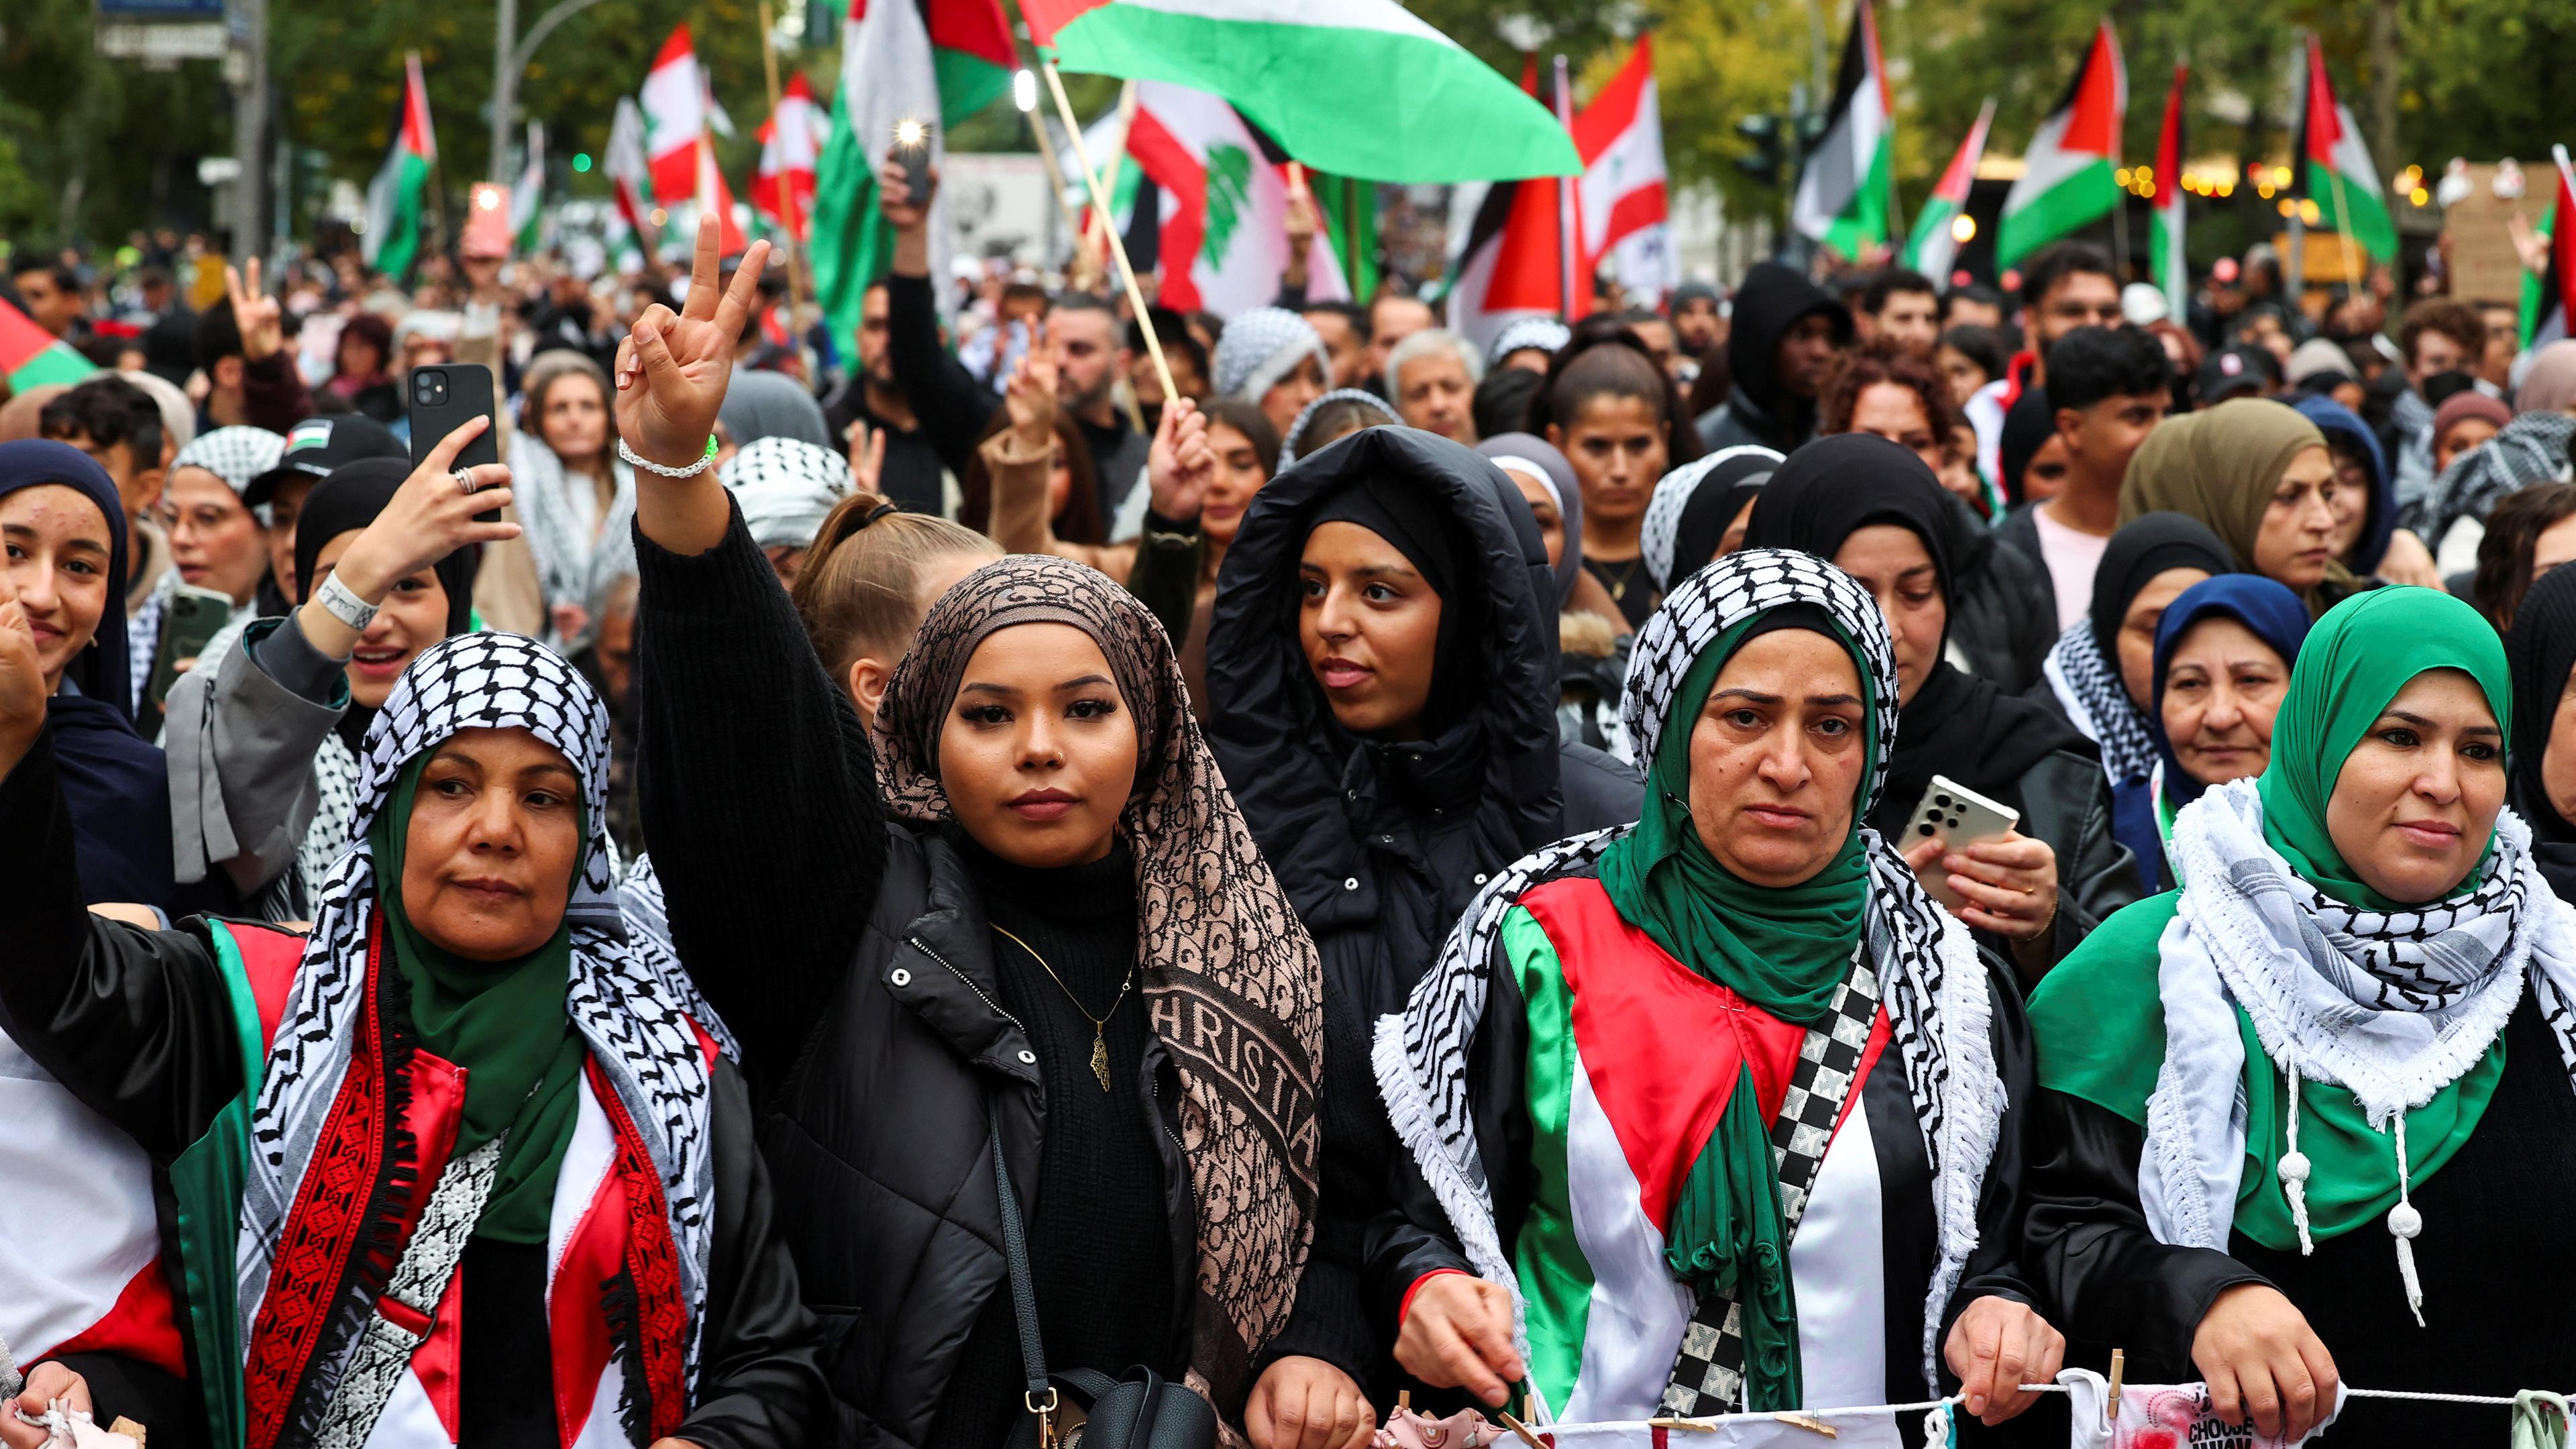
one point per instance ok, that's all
(1039, 1396)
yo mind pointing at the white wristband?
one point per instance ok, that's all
(708, 460)
(342, 603)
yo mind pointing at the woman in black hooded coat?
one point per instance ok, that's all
(1379, 840)
(2015, 752)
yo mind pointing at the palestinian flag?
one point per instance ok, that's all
(1604, 1318)
(1352, 87)
(2166, 263)
(783, 190)
(1219, 204)
(30, 356)
(2547, 294)
(2335, 170)
(1933, 247)
(528, 196)
(2066, 183)
(1511, 265)
(921, 60)
(1845, 186)
(395, 197)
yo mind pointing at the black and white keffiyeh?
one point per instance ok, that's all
(785, 487)
(236, 454)
(2098, 704)
(1933, 985)
(2392, 1006)
(1289, 445)
(1546, 334)
(578, 550)
(636, 1032)
(1659, 532)
(1259, 347)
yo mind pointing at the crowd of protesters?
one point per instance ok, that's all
(635, 942)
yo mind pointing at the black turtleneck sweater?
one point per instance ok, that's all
(1101, 1254)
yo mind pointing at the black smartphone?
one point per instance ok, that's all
(190, 618)
(912, 158)
(442, 398)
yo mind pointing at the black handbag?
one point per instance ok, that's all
(1144, 1410)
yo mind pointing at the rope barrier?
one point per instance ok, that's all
(1942, 1408)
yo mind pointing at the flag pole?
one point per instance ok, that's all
(1117, 244)
(1110, 163)
(1565, 238)
(786, 193)
(1073, 224)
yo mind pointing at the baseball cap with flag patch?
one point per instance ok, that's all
(316, 446)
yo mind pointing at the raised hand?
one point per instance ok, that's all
(1181, 464)
(672, 368)
(867, 449)
(263, 326)
(431, 516)
(1030, 395)
(22, 682)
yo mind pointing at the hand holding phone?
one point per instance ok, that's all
(1956, 817)
(442, 399)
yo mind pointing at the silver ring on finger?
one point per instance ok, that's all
(465, 479)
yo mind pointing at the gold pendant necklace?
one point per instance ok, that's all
(1100, 1023)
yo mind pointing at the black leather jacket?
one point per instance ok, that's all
(2064, 801)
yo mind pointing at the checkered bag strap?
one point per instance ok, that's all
(1708, 1372)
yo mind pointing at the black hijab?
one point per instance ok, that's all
(2144, 547)
(1956, 725)
(2541, 649)
(1418, 524)
(348, 500)
(2027, 428)
(115, 785)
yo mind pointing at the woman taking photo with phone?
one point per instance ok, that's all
(1874, 510)
(1575, 1081)
(2296, 1123)
(266, 737)
(927, 957)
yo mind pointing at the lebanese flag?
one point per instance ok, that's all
(1222, 223)
(2066, 182)
(2336, 170)
(1933, 247)
(789, 141)
(2166, 262)
(630, 178)
(1621, 200)
(1845, 185)
(1510, 266)
(681, 155)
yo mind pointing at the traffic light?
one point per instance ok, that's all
(1765, 161)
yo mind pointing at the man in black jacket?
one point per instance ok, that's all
(1786, 335)
(913, 473)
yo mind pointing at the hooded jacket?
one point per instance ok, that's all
(1772, 300)
(1381, 846)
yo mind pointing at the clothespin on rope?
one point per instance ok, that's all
(2111, 1404)
(1517, 1427)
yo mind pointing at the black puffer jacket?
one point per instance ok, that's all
(1382, 846)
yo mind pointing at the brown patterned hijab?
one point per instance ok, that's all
(1233, 982)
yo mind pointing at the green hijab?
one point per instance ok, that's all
(2222, 465)
(1783, 949)
(504, 1022)
(2358, 657)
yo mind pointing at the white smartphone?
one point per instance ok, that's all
(1957, 817)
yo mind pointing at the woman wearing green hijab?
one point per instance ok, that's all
(2303, 1108)
(1720, 1098)
(463, 1165)
(2260, 475)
